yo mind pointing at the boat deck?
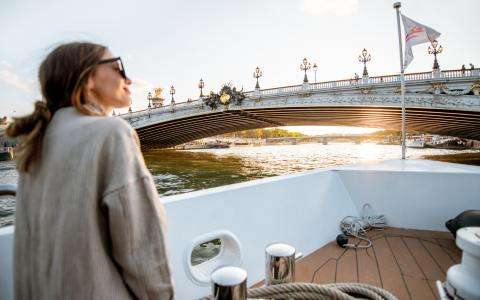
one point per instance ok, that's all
(406, 262)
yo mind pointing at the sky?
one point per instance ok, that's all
(164, 43)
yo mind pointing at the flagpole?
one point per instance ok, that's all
(397, 5)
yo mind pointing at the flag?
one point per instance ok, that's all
(416, 33)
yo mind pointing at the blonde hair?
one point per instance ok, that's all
(62, 75)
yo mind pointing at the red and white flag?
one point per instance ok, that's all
(416, 33)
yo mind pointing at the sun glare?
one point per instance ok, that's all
(368, 151)
(322, 130)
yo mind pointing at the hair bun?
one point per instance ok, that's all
(24, 125)
(42, 111)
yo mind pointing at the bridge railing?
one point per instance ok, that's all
(460, 73)
(384, 79)
(354, 82)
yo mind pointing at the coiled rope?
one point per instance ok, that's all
(358, 226)
(304, 291)
(311, 291)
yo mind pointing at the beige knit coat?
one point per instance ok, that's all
(89, 224)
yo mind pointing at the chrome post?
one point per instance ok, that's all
(279, 264)
(229, 283)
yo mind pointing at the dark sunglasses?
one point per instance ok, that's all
(121, 69)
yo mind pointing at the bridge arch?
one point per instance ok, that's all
(447, 105)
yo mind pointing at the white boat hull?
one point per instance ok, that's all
(303, 210)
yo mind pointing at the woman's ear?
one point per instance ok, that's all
(88, 89)
(89, 85)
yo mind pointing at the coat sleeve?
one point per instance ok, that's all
(136, 221)
(138, 241)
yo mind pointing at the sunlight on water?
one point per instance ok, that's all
(368, 151)
(176, 172)
(182, 171)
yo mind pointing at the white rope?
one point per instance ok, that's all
(314, 291)
(358, 226)
(306, 290)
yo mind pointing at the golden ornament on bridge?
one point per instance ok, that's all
(224, 98)
(157, 99)
(158, 92)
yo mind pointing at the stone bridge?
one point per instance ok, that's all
(438, 102)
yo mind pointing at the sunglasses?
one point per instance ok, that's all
(121, 69)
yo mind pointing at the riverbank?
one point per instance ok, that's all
(459, 158)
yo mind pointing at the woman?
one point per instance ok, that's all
(89, 224)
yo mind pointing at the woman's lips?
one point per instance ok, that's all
(127, 90)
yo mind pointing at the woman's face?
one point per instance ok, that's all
(107, 88)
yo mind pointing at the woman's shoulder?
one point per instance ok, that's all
(97, 129)
(69, 119)
(116, 131)
(113, 124)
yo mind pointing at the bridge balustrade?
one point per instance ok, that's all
(384, 79)
(376, 80)
(458, 73)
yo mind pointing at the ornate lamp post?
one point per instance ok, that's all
(315, 68)
(364, 58)
(201, 85)
(257, 74)
(305, 66)
(435, 49)
(172, 92)
(149, 97)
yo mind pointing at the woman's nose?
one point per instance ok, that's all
(128, 81)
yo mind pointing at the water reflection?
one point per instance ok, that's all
(183, 171)
(177, 172)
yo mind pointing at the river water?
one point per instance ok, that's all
(176, 171)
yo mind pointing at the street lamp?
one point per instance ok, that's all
(149, 97)
(201, 85)
(435, 49)
(130, 109)
(315, 68)
(364, 58)
(172, 92)
(305, 66)
(257, 74)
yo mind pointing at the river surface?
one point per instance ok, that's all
(176, 171)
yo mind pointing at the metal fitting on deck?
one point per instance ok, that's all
(229, 283)
(279, 264)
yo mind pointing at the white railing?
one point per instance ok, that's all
(344, 83)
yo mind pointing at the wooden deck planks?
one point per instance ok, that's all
(327, 273)
(367, 266)
(307, 266)
(347, 267)
(451, 249)
(439, 255)
(405, 262)
(424, 260)
(389, 270)
(412, 275)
